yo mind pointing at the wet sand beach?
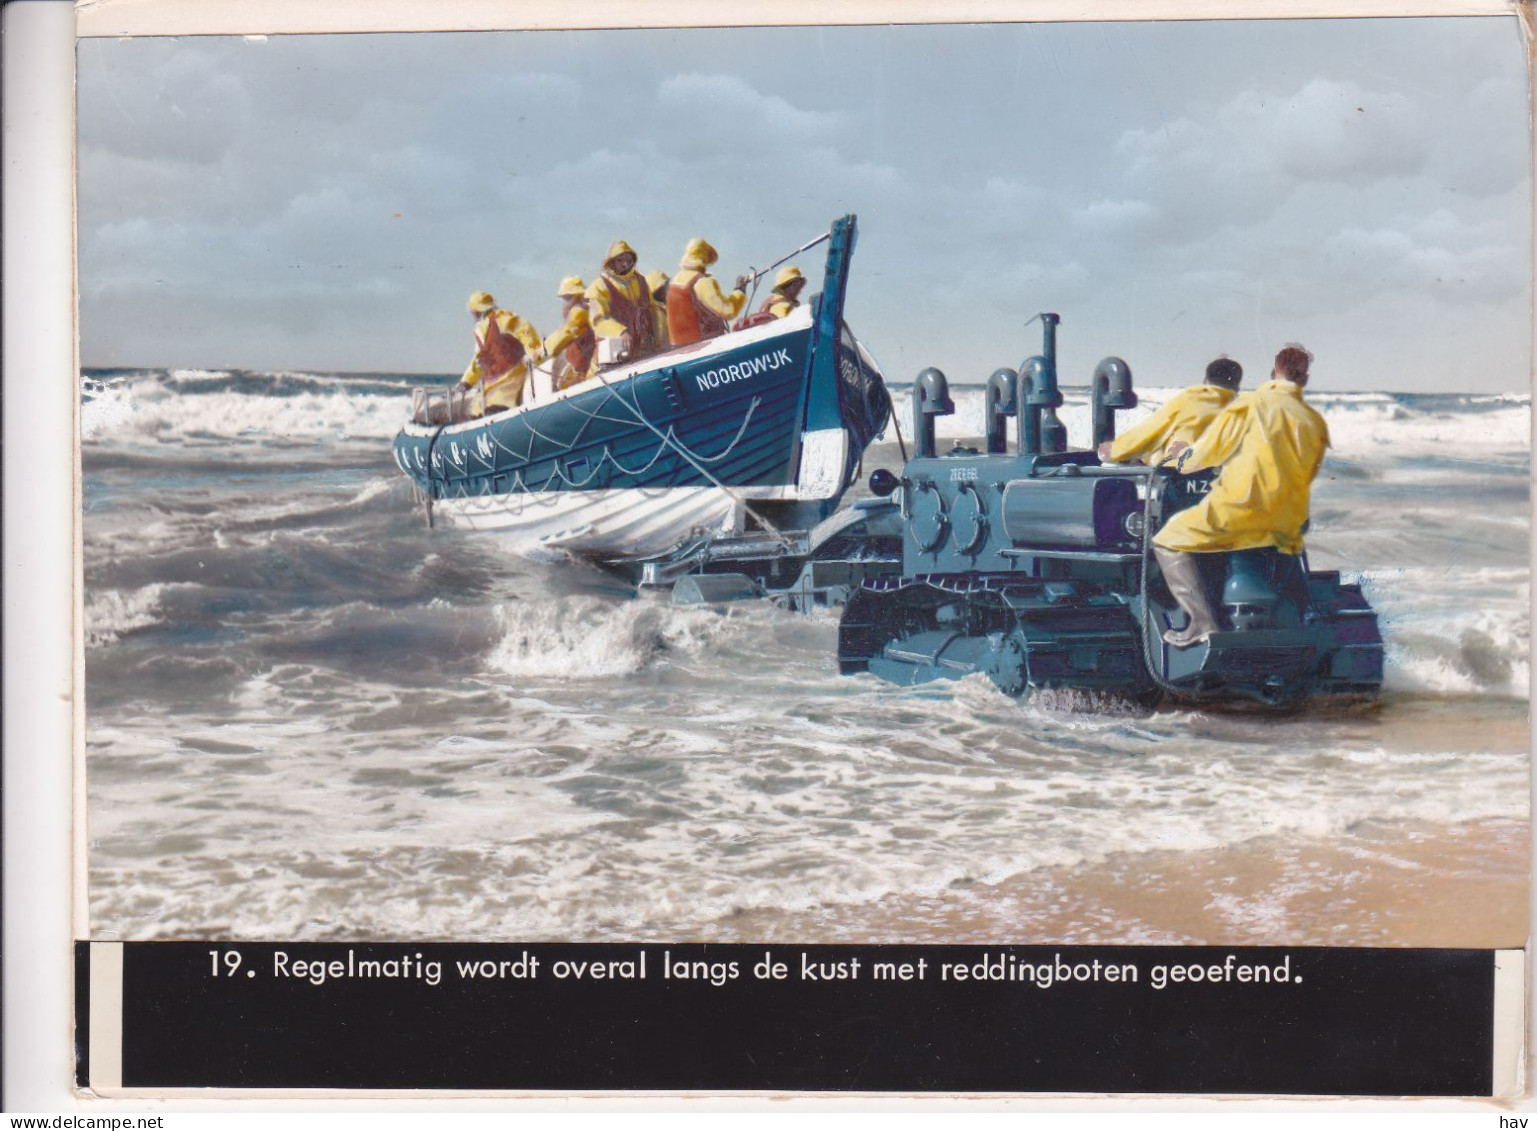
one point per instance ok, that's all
(1423, 886)
(1413, 884)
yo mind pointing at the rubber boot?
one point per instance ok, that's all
(1182, 573)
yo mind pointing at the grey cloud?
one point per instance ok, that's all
(1247, 156)
(1394, 259)
(1127, 221)
(191, 113)
(421, 182)
(709, 95)
(1464, 157)
(1170, 189)
(717, 118)
(1327, 131)
(113, 186)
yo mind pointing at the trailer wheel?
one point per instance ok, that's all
(1009, 668)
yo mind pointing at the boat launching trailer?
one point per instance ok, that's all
(1033, 564)
(797, 569)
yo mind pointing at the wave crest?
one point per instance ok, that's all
(582, 637)
(113, 613)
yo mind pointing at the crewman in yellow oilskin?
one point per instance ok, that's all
(506, 347)
(696, 309)
(1182, 418)
(657, 283)
(619, 303)
(786, 296)
(1269, 444)
(574, 343)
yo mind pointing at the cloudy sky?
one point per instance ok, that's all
(1174, 190)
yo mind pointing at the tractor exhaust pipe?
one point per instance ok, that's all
(999, 406)
(1041, 432)
(1111, 390)
(931, 398)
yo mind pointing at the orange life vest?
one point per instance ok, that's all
(688, 319)
(633, 315)
(765, 313)
(579, 353)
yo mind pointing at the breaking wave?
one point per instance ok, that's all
(1479, 645)
(192, 408)
(113, 613)
(584, 637)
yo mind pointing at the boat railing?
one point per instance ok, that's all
(449, 405)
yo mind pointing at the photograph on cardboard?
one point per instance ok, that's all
(585, 614)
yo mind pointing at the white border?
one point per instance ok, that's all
(260, 17)
(42, 510)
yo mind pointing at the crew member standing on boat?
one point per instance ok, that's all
(657, 282)
(619, 303)
(788, 285)
(505, 348)
(784, 298)
(696, 309)
(574, 343)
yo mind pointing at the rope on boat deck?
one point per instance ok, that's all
(668, 439)
(699, 467)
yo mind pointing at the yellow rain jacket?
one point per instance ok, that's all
(696, 308)
(506, 346)
(618, 302)
(1183, 417)
(1269, 445)
(781, 306)
(708, 293)
(657, 282)
(577, 328)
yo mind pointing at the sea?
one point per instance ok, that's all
(311, 717)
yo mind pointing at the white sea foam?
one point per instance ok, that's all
(1471, 662)
(311, 417)
(744, 827)
(200, 374)
(585, 637)
(374, 491)
(1360, 424)
(109, 407)
(1359, 428)
(1454, 632)
(144, 408)
(111, 613)
(532, 826)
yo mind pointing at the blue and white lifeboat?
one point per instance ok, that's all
(701, 439)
